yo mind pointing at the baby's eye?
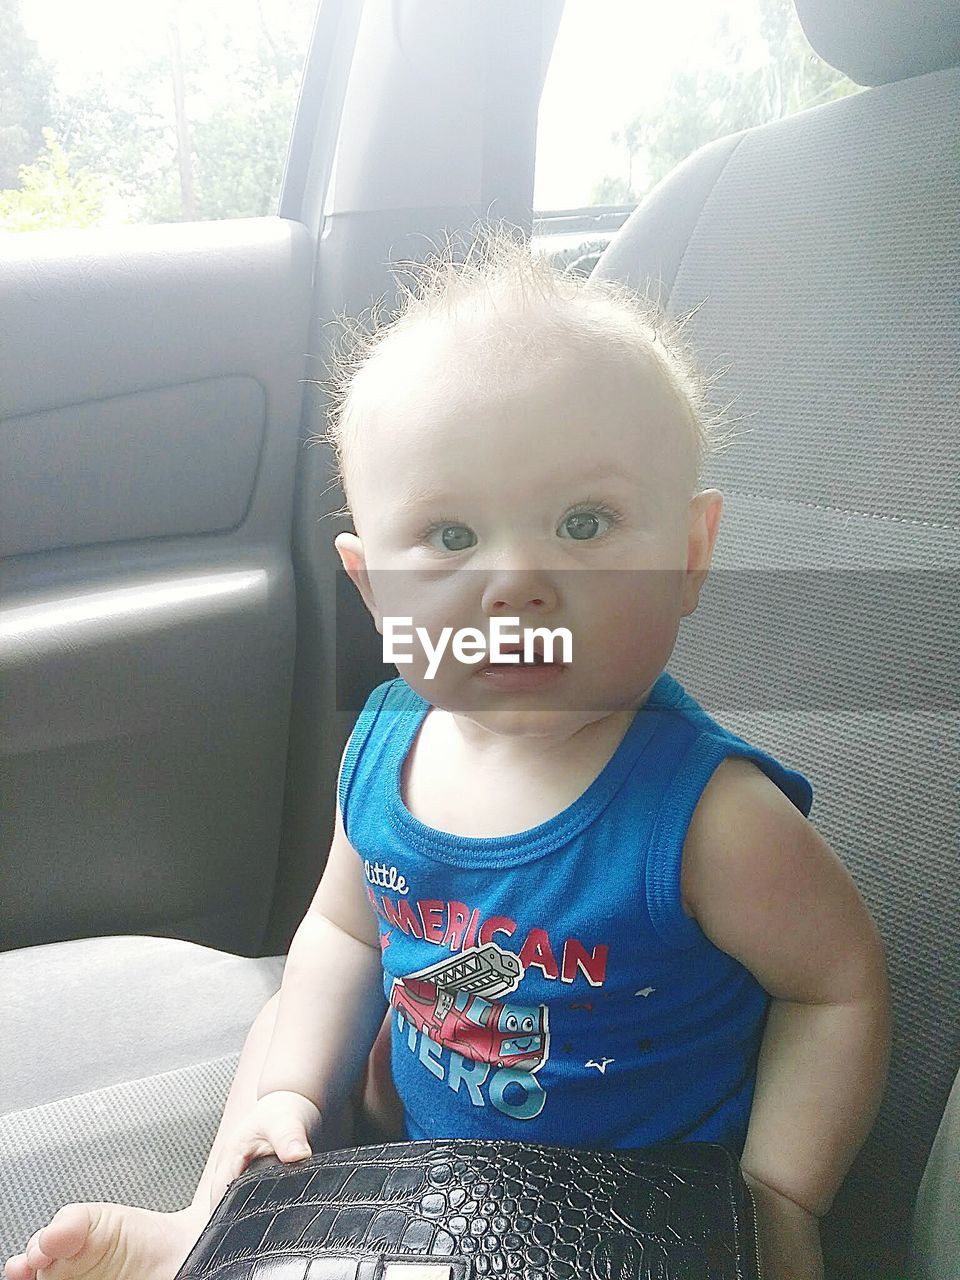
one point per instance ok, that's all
(453, 537)
(583, 526)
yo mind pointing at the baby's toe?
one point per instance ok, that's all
(18, 1268)
(37, 1260)
(67, 1232)
(33, 1257)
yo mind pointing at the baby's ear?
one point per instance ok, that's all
(350, 550)
(704, 525)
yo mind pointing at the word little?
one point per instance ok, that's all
(386, 877)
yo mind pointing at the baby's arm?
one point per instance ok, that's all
(767, 889)
(330, 1009)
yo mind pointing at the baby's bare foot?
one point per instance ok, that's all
(108, 1242)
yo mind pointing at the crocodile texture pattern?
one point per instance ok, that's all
(471, 1210)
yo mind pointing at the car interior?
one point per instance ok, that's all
(174, 631)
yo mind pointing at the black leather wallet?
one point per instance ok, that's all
(468, 1210)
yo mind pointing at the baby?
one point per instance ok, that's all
(592, 915)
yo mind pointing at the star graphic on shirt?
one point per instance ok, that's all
(385, 940)
(645, 991)
(601, 1065)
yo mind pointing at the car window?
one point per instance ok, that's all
(633, 88)
(114, 113)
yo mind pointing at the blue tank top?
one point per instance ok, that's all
(548, 985)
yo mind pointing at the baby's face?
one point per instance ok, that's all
(558, 494)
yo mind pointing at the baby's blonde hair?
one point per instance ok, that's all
(496, 266)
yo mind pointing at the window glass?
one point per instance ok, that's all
(636, 86)
(115, 112)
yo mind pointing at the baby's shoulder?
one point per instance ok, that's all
(734, 778)
(765, 887)
(741, 802)
(740, 808)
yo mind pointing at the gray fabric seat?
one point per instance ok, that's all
(116, 1059)
(823, 252)
(935, 1240)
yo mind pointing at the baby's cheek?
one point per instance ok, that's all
(625, 599)
(648, 640)
(641, 626)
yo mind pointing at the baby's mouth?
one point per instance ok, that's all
(503, 663)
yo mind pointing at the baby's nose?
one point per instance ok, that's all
(514, 593)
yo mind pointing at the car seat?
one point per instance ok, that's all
(820, 256)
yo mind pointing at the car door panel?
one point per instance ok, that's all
(150, 395)
(161, 463)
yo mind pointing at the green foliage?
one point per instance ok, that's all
(240, 95)
(240, 142)
(119, 137)
(614, 191)
(240, 150)
(24, 95)
(702, 104)
(124, 129)
(51, 195)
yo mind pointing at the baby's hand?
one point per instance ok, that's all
(278, 1124)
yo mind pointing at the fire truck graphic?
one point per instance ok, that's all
(449, 1003)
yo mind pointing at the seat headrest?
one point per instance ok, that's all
(876, 41)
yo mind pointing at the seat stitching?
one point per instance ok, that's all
(820, 506)
(683, 257)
